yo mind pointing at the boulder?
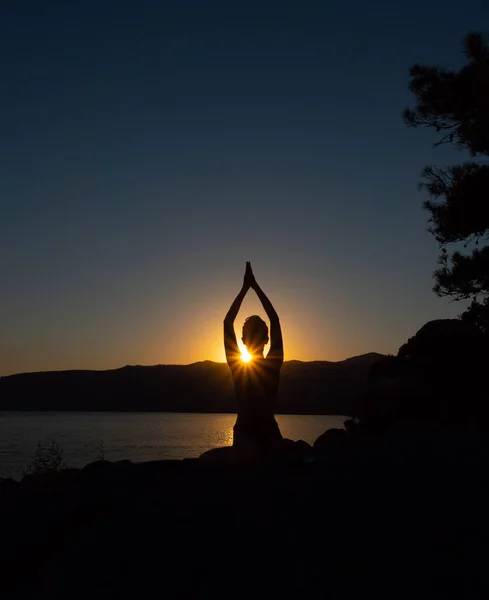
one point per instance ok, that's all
(330, 439)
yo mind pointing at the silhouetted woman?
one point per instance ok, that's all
(255, 382)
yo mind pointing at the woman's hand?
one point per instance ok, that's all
(249, 278)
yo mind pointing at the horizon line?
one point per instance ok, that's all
(296, 360)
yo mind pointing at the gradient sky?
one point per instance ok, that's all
(148, 149)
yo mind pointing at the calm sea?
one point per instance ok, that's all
(133, 436)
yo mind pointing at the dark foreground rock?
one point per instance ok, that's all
(329, 440)
(398, 516)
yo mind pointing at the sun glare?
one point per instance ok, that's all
(245, 356)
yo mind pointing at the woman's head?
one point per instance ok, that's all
(255, 334)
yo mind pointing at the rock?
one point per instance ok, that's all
(303, 446)
(191, 528)
(9, 492)
(436, 376)
(286, 451)
(294, 451)
(330, 439)
(7, 484)
(223, 455)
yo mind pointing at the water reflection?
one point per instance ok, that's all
(134, 436)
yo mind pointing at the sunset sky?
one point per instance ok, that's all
(148, 149)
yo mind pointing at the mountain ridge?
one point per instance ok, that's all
(307, 387)
(199, 362)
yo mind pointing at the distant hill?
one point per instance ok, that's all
(317, 387)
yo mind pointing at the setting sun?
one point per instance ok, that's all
(245, 356)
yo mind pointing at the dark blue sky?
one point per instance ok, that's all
(149, 149)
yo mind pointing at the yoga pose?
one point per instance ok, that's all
(255, 381)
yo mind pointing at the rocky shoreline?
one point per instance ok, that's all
(396, 514)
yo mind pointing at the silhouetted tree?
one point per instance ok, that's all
(456, 105)
(478, 314)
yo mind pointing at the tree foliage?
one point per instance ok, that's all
(478, 314)
(456, 105)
